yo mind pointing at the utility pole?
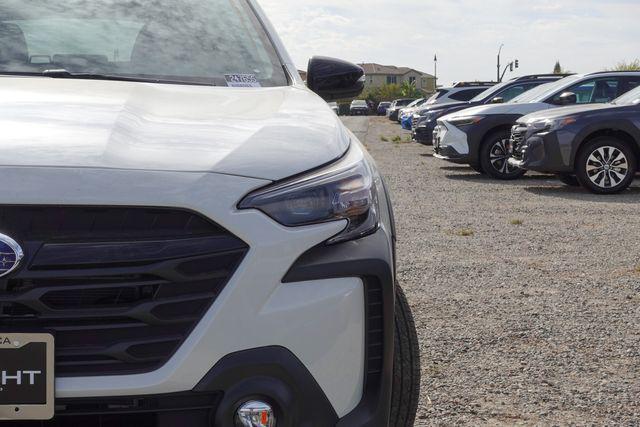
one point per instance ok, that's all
(435, 68)
(499, 53)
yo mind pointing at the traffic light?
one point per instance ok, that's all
(517, 63)
(511, 67)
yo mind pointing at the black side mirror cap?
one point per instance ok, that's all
(497, 100)
(567, 98)
(334, 79)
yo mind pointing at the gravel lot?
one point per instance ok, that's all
(526, 294)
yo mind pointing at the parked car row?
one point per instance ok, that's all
(425, 120)
(585, 128)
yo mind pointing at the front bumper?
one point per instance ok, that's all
(450, 143)
(541, 152)
(423, 134)
(288, 293)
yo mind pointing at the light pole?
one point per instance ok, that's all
(435, 69)
(499, 53)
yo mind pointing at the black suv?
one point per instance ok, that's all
(425, 120)
(596, 146)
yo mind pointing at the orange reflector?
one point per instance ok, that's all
(264, 417)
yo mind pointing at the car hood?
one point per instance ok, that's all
(444, 106)
(267, 133)
(564, 111)
(508, 108)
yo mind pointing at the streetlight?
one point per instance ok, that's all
(499, 53)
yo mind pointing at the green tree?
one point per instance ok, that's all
(627, 66)
(557, 69)
(409, 90)
(389, 92)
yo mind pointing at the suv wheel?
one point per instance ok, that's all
(568, 179)
(606, 166)
(406, 366)
(494, 157)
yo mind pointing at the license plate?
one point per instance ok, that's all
(27, 380)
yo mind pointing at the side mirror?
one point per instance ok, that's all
(567, 98)
(497, 100)
(334, 79)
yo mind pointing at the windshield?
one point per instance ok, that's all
(358, 103)
(542, 92)
(532, 94)
(489, 92)
(217, 42)
(629, 98)
(415, 103)
(434, 98)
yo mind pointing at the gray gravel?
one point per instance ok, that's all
(526, 294)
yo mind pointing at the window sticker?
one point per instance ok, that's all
(242, 80)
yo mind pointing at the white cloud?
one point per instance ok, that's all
(585, 35)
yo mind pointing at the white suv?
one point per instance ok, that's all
(190, 236)
(461, 92)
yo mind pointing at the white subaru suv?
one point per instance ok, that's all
(190, 236)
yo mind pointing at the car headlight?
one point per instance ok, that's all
(550, 125)
(346, 190)
(430, 116)
(465, 120)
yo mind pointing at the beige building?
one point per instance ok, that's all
(378, 75)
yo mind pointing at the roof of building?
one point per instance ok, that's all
(372, 68)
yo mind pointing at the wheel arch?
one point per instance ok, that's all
(627, 134)
(490, 125)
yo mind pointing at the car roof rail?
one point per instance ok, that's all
(473, 84)
(538, 76)
(614, 72)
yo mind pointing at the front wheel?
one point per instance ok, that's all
(494, 157)
(606, 165)
(406, 366)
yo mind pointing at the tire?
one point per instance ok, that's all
(568, 179)
(606, 165)
(406, 366)
(494, 155)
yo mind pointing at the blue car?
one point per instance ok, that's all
(406, 121)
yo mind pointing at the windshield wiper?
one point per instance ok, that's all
(61, 73)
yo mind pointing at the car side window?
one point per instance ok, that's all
(593, 91)
(632, 83)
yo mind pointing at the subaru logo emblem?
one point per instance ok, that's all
(10, 255)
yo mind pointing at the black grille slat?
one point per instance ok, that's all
(99, 223)
(375, 331)
(121, 288)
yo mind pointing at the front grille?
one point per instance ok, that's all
(120, 288)
(180, 409)
(518, 134)
(414, 122)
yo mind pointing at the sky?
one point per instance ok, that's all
(584, 35)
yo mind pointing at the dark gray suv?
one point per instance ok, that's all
(596, 146)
